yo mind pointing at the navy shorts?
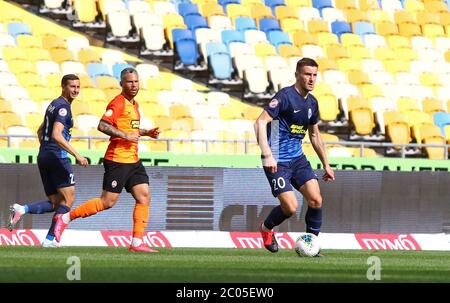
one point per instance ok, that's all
(55, 173)
(120, 175)
(290, 174)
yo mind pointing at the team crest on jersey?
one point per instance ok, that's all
(135, 124)
(114, 184)
(309, 113)
(108, 113)
(62, 112)
(273, 103)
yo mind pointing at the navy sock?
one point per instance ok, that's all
(275, 218)
(313, 220)
(39, 207)
(62, 209)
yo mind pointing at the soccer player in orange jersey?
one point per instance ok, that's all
(122, 165)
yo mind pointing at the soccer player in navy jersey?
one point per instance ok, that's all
(54, 166)
(280, 130)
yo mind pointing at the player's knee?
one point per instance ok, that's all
(289, 210)
(315, 202)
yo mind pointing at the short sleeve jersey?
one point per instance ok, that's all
(57, 111)
(124, 116)
(292, 114)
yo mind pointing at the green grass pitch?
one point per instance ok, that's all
(186, 265)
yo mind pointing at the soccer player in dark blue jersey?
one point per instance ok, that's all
(53, 162)
(280, 130)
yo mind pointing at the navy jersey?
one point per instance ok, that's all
(57, 111)
(292, 114)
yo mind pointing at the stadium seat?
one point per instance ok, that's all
(363, 120)
(441, 119)
(431, 134)
(340, 27)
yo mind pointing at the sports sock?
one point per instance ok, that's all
(38, 207)
(275, 218)
(140, 220)
(313, 219)
(62, 209)
(88, 208)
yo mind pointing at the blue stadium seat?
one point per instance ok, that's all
(181, 33)
(321, 4)
(97, 69)
(268, 24)
(230, 35)
(118, 68)
(245, 23)
(185, 46)
(340, 27)
(441, 119)
(187, 8)
(364, 28)
(224, 3)
(220, 60)
(278, 38)
(194, 22)
(273, 4)
(18, 28)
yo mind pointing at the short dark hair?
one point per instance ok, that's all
(128, 70)
(68, 77)
(305, 62)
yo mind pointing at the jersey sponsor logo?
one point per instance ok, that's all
(309, 113)
(135, 124)
(273, 103)
(297, 111)
(62, 112)
(297, 129)
(109, 113)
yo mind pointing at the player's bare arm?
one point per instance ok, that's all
(110, 130)
(58, 128)
(317, 143)
(40, 132)
(152, 133)
(261, 136)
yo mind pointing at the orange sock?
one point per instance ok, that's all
(140, 218)
(88, 208)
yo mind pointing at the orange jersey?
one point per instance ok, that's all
(124, 116)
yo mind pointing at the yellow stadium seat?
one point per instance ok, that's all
(186, 124)
(291, 25)
(98, 108)
(327, 64)
(229, 113)
(404, 17)
(337, 52)
(251, 112)
(86, 56)
(327, 39)
(172, 21)
(414, 5)
(92, 95)
(38, 54)
(302, 38)
(416, 127)
(104, 82)
(359, 52)
(29, 143)
(369, 91)
(397, 41)
(156, 146)
(368, 5)
(237, 10)
(345, 4)
(153, 110)
(366, 152)
(409, 29)
(431, 134)
(21, 66)
(356, 15)
(79, 108)
(259, 11)
(51, 41)
(318, 26)
(328, 107)
(396, 66)
(354, 102)
(436, 6)
(287, 50)
(425, 17)
(378, 15)
(347, 64)
(14, 53)
(363, 120)
(432, 106)
(30, 79)
(86, 10)
(405, 104)
(447, 133)
(406, 54)
(357, 77)
(85, 81)
(398, 132)
(211, 9)
(394, 116)
(60, 55)
(265, 49)
(10, 119)
(349, 39)
(5, 106)
(299, 3)
(285, 12)
(384, 53)
(386, 28)
(179, 111)
(111, 93)
(28, 41)
(447, 30)
(433, 30)
(430, 79)
(146, 97)
(163, 122)
(444, 18)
